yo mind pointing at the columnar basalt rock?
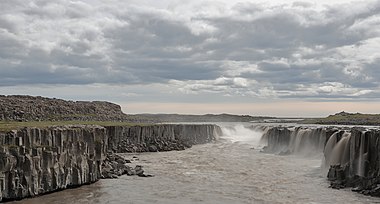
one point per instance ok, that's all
(160, 137)
(351, 156)
(35, 161)
(296, 140)
(361, 169)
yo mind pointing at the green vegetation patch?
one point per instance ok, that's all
(344, 118)
(6, 126)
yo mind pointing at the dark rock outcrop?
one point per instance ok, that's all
(114, 166)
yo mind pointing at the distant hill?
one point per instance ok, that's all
(202, 118)
(37, 108)
(23, 108)
(344, 118)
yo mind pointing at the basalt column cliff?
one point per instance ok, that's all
(351, 156)
(36, 161)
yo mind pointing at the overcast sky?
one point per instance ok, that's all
(285, 58)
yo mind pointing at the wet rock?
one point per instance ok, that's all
(337, 176)
(285, 152)
(153, 148)
(139, 171)
(115, 166)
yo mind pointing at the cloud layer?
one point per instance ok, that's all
(280, 51)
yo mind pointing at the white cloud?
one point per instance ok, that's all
(282, 49)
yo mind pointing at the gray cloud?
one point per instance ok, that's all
(293, 50)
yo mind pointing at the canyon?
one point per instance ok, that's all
(37, 160)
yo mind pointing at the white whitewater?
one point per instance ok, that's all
(244, 134)
(340, 152)
(361, 165)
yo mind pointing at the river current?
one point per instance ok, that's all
(231, 170)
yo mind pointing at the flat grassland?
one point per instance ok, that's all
(344, 118)
(13, 125)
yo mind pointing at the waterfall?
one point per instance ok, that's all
(241, 133)
(340, 153)
(362, 155)
(295, 140)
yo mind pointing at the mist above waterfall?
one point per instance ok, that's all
(242, 133)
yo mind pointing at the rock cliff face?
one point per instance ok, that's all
(351, 156)
(160, 137)
(36, 161)
(354, 160)
(296, 140)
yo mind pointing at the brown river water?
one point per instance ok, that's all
(227, 171)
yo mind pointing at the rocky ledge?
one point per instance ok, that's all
(114, 166)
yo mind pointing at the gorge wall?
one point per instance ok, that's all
(351, 156)
(163, 137)
(35, 161)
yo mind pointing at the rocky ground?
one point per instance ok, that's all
(365, 185)
(31, 108)
(344, 118)
(114, 166)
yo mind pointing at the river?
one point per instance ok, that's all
(227, 171)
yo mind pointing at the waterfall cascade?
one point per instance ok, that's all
(295, 140)
(351, 156)
(241, 133)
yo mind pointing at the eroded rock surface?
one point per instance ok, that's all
(36, 161)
